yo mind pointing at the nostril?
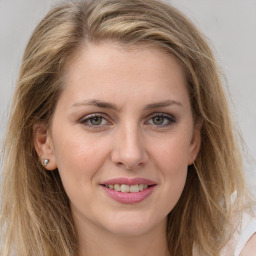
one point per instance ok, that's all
(124, 165)
(130, 155)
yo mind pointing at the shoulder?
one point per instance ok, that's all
(243, 241)
(246, 243)
(250, 247)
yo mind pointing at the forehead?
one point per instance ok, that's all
(105, 55)
(108, 67)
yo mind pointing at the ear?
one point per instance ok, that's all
(195, 143)
(43, 145)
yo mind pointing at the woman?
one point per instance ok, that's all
(120, 140)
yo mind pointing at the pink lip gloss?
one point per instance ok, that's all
(128, 197)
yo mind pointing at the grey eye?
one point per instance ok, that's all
(161, 120)
(94, 120)
(97, 120)
(158, 120)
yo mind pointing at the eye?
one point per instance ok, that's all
(94, 120)
(161, 120)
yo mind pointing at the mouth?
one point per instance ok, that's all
(128, 191)
(125, 188)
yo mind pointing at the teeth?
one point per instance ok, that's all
(134, 188)
(117, 187)
(140, 186)
(126, 188)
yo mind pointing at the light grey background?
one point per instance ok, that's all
(230, 26)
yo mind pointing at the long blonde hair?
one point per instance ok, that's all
(35, 213)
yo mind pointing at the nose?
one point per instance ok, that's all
(128, 148)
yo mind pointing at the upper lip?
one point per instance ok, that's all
(128, 181)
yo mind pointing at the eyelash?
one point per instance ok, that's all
(87, 120)
(169, 119)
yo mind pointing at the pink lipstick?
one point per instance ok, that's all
(128, 191)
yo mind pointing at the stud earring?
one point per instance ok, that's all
(45, 162)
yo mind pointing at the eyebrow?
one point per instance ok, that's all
(97, 103)
(103, 104)
(161, 104)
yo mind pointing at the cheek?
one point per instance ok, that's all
(78, 159)
(172, 160)
(173, 154)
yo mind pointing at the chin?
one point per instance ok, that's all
(133, 224)
(129, 230)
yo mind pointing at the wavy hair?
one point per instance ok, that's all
(35, 212)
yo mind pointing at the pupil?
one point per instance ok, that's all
(96, 120)
(158, 120)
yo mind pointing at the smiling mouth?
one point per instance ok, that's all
(128, 191)
(127, 188)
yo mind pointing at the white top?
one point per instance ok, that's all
(242, 235)
(248, 229)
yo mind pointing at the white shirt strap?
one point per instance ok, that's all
(245, 236)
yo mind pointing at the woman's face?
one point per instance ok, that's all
(123, 121)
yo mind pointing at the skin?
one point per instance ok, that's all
(129, 138)
(250, 247)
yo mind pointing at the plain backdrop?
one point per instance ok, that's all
(230, 26)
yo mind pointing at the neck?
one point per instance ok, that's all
(95, 241)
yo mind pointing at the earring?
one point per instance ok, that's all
(45, 162)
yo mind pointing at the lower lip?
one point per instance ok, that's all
(129, 198)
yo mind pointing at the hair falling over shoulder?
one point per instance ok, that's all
(35, 212)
